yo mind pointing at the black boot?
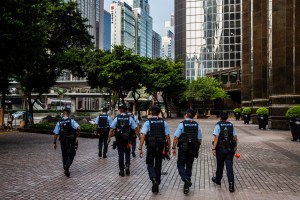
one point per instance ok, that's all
(121, 173)
(104, 155)
(155, 185)
(186, 187)
(133, 154)
(127, 170)
(67, 172)
(214, 179)
(231, 187)
(100, 153)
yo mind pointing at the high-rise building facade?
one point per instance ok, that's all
(156, 45)
(271, 57)
(208, 35)
(143, 28)
(122, 25)
(107, 29)
(93, 11)
(168, 39)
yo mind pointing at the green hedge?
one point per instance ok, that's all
(51, 125)
(89, 128)
(246, 110)
(237, 110)
(293, 112)
(262, 111)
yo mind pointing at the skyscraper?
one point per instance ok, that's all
(122, 25)
(156, 45)
(168, 39)
(107, 33)
(208, 35)
(143, 28)
(93, 11)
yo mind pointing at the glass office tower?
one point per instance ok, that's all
(208, 35)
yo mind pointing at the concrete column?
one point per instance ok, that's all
(73, 104)
(246, 86)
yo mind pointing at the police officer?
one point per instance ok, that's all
(68, 130)
(122, 124)
(188, 137)
(102, 126)
(136, 120)
(224, 147)
(156, 132)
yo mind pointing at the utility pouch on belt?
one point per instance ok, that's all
(185, 146)
(151, 142)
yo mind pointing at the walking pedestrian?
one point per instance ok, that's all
(224, 147)
(10, 119)
(102, 126)
(68, 130)
(188, 138)
(156, 132)
(136, 120)
(122, 124)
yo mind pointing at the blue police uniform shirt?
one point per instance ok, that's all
(217, 130)
(146, 128)
(108, 119)
(74, 125)
(132, 124)
(180, 130)
(135, 118)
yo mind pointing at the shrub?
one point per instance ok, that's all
(246, 110)
(293, 112)
(46, 125)
(262, 111)
(237, 110)
(87, 128)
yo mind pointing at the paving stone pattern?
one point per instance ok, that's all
(269, 168)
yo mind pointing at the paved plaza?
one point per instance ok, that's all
(269, 168)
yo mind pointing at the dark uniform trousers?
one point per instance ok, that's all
(68, 151)
(223, 156)
(103, 142)
(185, 164)
(133, 144)
(154, 164)
(123, 151)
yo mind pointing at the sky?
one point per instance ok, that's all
(160, 11)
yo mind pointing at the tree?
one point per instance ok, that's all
(55, 32)
(204, 89)
(119, 71)
(165, 76)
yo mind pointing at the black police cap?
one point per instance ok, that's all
(224, 115)
(191, 111)
(156, 109)
(123, 107)
(67, 110)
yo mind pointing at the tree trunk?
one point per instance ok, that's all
(113, 103)
(165, 99)
(3, 108)
(30, 104)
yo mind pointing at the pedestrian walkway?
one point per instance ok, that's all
(269, 168)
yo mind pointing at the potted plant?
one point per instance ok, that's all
(246, 114)
(293, 114)
(262, 117)
(237, 113)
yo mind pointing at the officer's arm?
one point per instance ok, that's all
(169, 141)
(175, 142)
(142, 140)
(78, 131)
(111, 130)
(215, 142)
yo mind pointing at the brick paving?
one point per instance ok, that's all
(269, 168)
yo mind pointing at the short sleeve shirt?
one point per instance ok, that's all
(74, 125)
(108, 119)
(146, 128)
(217, 130)
(132, 124)
(180, 130)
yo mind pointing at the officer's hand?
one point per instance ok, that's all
(214, 152)
(55, 146)
(174, 152)
(141, 153)
(108, 140)
(95, 132)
